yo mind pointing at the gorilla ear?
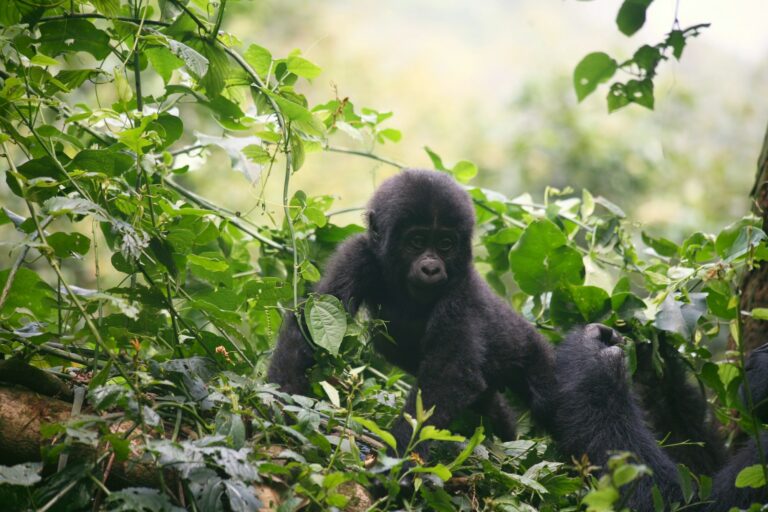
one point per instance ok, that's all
(373, 228)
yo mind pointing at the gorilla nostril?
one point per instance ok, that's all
(430, 270)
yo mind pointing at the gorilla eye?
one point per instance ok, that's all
(445, 244)
(418, 242)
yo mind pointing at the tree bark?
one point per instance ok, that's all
(754, 285)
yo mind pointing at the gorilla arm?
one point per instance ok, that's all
(349, 276)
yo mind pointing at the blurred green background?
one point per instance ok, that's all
(490, 82)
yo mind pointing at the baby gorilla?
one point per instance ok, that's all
(597, 412)
(413, 270)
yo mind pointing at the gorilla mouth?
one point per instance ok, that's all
(425, 291)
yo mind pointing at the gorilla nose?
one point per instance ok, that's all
(430, 269)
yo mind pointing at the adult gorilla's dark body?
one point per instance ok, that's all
(413, 269)
(597, 412)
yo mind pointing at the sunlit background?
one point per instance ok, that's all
(490, 82)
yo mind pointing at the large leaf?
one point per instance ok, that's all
(73, 35)
(327, 321)
(541, 261)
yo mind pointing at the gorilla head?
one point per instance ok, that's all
(420, 225)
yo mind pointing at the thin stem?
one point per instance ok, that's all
(219, 19)
(365, 154)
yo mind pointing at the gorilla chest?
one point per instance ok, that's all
(402, 339)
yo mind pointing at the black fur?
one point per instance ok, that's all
(597, 412)
(677, 410)
(461, 341)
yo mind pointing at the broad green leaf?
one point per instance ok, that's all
(66, 245)
(43, 60)
(302, 67)
(625, 474)
(641, 92)
(30, 292)
(464, 171)
(196, 63)
(751, 476)
(760, 313)
(631, 16)
(601, 500)
(260, 59)
(385, 436)
(164, 61)
(105, 161)
(293, 111)
(662, 246)
(327, 321)
(594, 69)
(541, 261)
(210, 264)
(73, 35)
(58, 206)
(25, 475)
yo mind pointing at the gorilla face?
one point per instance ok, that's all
(420, 227)
(427, 249)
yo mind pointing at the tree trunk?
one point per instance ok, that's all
(754, 286)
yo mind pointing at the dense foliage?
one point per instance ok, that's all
(170, 346)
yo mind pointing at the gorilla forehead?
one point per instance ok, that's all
(422, 197)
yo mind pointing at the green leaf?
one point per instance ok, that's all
(594, 69)
(430, 433)
(303, 118)
(631, 16)
(332, 392)
(66, 245)
(751, 476)
(464, 171)
(28, 291)
(73, 35)
(43, 60)
(601, 500)
(105, 161)
(641, 92)
(327, 321)
(437, 162)
(662, 246)
(625, 474)
(676, 40)
(473, 442)
(209, 264)
(385, 436)
(440, 470)
(25, 475)
(195, 62)
(164, 61)
(259, 59)
(760, 313)
(541, 261)
(302, 67)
